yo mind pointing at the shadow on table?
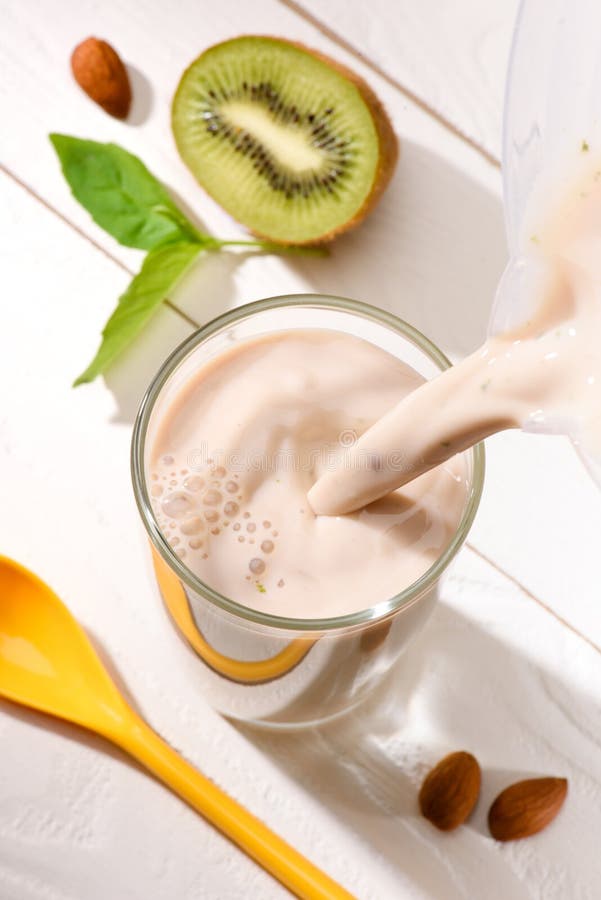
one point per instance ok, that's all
(142, 96)
(366, 769)
(431, 252)
(475, 693)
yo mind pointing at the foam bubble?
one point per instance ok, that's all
(176, 504)
(231, 509)
(251, 527)
(211, 515)
(231, 487)
(195, 543)
(267, 546)
(167, 460)
(218, 472)
(192, 525)
(194, 483)
(256, 566)
(212, 497)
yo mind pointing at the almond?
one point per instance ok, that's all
(450, 790)
(98, 70)
(526, 807)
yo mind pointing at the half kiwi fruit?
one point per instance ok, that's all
(292, 144)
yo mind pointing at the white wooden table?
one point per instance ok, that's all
(510, 665)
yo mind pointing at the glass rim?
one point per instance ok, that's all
(370, 614)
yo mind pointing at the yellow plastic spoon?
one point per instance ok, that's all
(48, 663)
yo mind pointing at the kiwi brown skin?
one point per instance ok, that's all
(388, 143)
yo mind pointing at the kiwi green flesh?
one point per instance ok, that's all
(283, 141)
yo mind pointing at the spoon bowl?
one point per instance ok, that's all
(46, 659)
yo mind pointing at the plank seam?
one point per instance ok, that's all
(528, 593)
(410, 95)
(82, 234)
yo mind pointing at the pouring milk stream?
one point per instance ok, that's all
(540, 370)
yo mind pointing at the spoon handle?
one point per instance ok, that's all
(277, 857)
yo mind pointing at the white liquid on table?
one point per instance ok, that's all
(269, 415)
(549, 369)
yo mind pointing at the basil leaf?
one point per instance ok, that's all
(121, 195)
(160, 271)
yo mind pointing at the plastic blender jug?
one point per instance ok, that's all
(552, 105)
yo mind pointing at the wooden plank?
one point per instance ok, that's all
(492, 672)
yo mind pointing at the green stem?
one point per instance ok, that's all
(272, 247)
